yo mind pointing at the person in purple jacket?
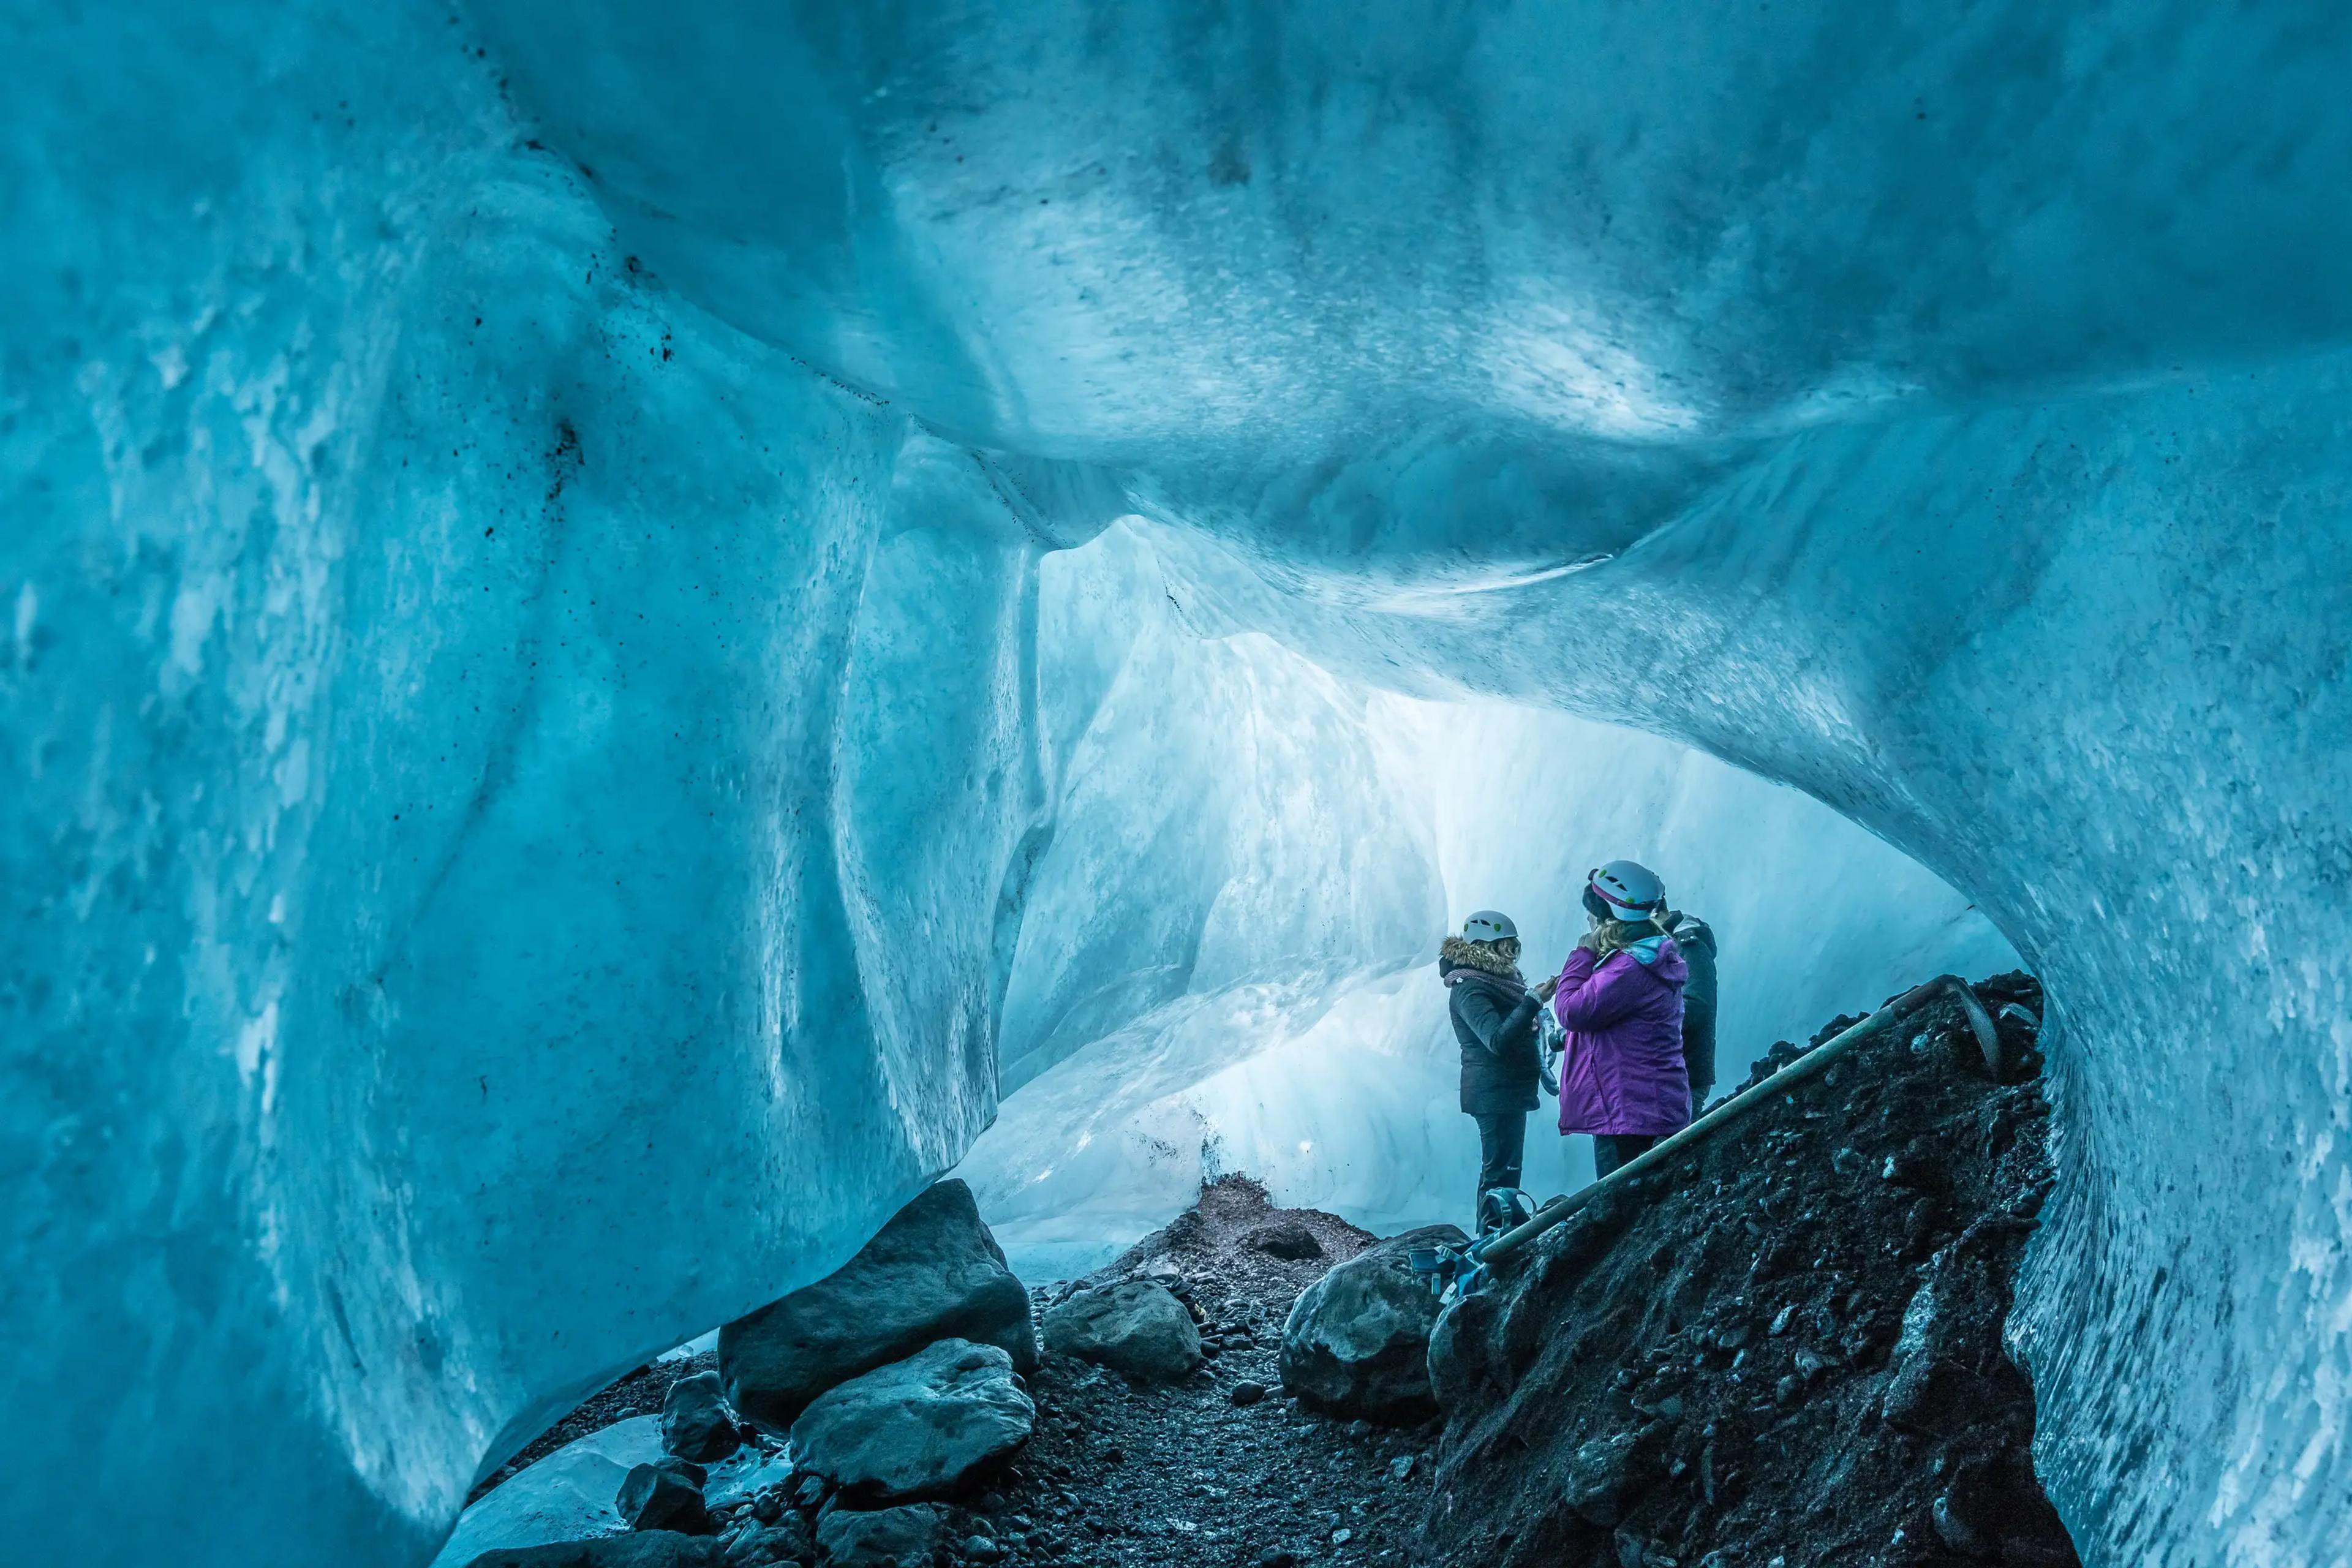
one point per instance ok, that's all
(1620, 999)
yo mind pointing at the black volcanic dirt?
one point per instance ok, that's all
(1186, 1476)
(1719, 1372)
(1705, 1374)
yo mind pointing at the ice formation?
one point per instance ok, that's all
(534, 785)
(1233, 970)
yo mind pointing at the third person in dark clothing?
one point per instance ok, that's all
(1493, 1015)
(1696, 938)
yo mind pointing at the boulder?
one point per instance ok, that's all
(932, 1273)
(1136, 1327)
(1357, 1341)
(665, 1495)
(787, 1539)
(917, 1427)
(645, 1549)
(886, 1538)
(695, 1421)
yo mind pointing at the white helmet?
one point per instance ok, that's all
(1631, 890)
(1488, 925)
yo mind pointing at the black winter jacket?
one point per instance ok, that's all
(1495, 1023)
(1696, 940)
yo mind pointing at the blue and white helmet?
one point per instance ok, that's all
(1490, 925)
(1630, 890)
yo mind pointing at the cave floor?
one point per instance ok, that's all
(1182, 1475)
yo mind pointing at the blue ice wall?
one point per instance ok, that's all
(524, 767)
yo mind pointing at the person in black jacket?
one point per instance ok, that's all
(1696, 938)
(1493, 1015)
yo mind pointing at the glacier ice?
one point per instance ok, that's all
(1233, 969)
(546, 757)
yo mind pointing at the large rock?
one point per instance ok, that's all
(917, 1427)
(1136, 1327)
(932, 1273)
(645, 1549)
(665, 1495)
(695, 1421)
(886, 1538)
(1357, 1342)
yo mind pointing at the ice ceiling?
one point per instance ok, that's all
(529, 755)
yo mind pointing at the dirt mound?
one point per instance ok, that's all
(1221, 1469)
(1235, 1236)
(1786, 1349)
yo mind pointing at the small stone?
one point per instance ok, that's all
(1781, 1320)
(1247, 1392)
(981, 1549)
(695, 1421)
(666, 1495)
(1788, 1390)
(917, 1427)
(1357, 1342)
(1342, 1536)
(1954, 1530)
(1136, 1328)
(1401, 1467)
(883, 1539)
(1599, 1478)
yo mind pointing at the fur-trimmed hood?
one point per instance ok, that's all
(1463, 953)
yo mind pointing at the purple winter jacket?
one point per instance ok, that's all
(1623, 1071)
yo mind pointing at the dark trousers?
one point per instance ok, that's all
(1610, 1150)
(1502, 1151)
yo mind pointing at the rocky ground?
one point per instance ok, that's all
(1221, 1469)
(1785, 1351)
(1788, 1349)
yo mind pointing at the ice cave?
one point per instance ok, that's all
(628, 631)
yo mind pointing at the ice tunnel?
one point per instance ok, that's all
(611, 614)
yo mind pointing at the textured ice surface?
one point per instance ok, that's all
(527, 738)
(567, 1496)
(1227, 959)
(570, 1494)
